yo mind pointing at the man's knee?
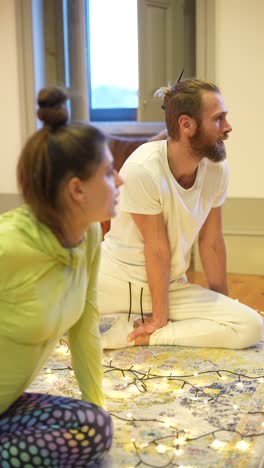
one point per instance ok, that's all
(251, 330)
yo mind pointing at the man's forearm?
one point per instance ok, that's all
(213, 259)
(158, 274)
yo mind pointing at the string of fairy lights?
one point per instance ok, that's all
(173, 444)
(139, 379)
(178, 438)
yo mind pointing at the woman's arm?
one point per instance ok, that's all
(85, 342)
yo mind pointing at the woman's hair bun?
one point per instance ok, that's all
(52, 109)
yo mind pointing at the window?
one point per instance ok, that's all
(113, 59)
(113, 55)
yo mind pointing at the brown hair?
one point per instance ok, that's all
(184, 98)
(53, 154)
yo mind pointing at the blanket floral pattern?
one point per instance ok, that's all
(188, 407)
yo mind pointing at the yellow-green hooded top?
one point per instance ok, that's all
(46, 290)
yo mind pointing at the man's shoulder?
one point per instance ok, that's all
(149, 150)
(146, 155)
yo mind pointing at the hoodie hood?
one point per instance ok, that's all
(34, 233)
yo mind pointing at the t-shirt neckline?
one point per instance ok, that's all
(198, 174)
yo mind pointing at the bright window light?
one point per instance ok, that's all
(113, 39)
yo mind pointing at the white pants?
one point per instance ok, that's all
(197, 316)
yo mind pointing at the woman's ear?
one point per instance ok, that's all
(75, 189)
(187, 125)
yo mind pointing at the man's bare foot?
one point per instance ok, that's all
(116, 336)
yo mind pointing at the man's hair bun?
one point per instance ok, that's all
(52, 110)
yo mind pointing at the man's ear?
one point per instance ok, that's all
(187, 125)
(75, 189)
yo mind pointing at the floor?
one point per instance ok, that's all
(164, 410)
(248, 289)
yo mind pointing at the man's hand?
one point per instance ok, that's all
(147, 328)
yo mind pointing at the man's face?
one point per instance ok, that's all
(208, 141)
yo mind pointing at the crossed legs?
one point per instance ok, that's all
(197, 317)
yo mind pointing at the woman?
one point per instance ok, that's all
(49, 253)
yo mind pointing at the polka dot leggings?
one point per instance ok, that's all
(43, 430)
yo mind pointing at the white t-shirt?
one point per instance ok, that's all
(150, 188)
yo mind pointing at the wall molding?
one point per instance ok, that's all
(251, 233)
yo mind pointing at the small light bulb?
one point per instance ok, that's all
(239, 384)
(179, 441)
(62, 349)
(166, 423)
(178, 452)
(131, 388)
(242, 445)
(161, 448)
(51, 378)
(217, 444)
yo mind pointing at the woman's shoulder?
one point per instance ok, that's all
(15, 226)
(8, 231)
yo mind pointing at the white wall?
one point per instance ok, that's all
(10, 128)
(239, 70)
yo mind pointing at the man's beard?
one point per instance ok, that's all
(201, 148)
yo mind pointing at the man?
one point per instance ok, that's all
(173, 192)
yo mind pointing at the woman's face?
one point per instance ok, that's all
(99, 193)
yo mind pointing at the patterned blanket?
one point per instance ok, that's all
(177, 406)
